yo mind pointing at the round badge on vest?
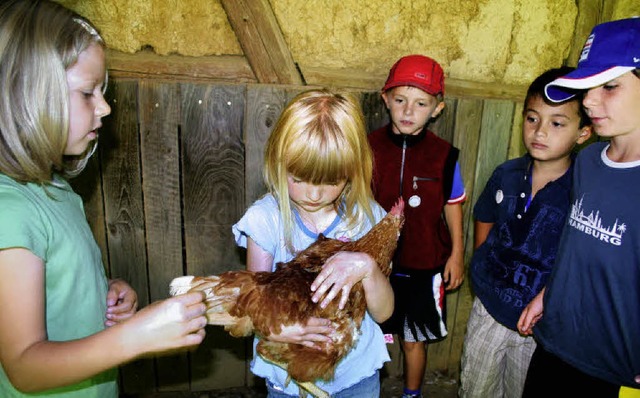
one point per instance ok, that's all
(414, 201)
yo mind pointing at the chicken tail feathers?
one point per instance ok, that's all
(181, 285)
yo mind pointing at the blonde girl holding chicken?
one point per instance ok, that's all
(64, 326)
(318, 167)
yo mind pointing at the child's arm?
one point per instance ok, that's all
(34, 363)
(258, 259)
(480, 232)
(454, 268)
(345, 269)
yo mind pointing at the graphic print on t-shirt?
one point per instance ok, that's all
(590, 223)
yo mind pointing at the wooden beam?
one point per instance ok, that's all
(146, 64)
(261, 40)
(589, 12)
(453, 87)
(608, 8)
(236, 69)
(494, 90)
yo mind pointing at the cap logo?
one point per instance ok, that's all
(586, 48)
(421, 76)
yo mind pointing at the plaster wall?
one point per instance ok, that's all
(626, 9)
(502, 41)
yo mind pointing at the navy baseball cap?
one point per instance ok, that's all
(611, 50)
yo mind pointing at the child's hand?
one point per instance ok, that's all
(122, 302)
(531, 315)
(339, 274)
(315, 334)
(453, 272)
(174, 323)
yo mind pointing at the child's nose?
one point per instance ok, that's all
(589, 98)
(102, 108)
(314, 193)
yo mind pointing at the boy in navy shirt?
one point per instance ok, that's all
(518, 221)
(588, 334)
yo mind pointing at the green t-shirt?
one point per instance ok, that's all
(51, 223)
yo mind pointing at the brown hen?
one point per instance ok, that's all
(246, 302)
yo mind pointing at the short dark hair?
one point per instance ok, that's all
(536, 89)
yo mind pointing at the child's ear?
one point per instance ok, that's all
(385, 99)
(438, 109)
(585, 134)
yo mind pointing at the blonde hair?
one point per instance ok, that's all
(39, 41)
(321, 138)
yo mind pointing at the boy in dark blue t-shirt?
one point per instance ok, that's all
(518, 221)
(588, 315)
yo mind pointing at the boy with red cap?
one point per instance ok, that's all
(588, 333)
(412, 162)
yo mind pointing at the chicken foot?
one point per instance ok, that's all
(305, 386)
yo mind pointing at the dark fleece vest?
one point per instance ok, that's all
(429, 163)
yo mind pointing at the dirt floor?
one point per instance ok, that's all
(435, 386)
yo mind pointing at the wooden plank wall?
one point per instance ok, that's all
(178, 165)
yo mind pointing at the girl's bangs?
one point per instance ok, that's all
(321, 161)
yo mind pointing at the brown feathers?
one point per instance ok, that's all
(247, 302)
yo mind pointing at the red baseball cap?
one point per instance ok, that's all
(417, 71)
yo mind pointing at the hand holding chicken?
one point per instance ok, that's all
(246, 302)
